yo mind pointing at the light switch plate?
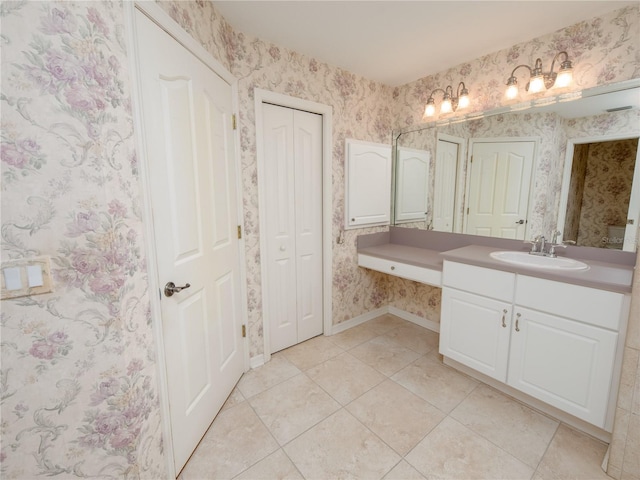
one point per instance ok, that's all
(26, 277)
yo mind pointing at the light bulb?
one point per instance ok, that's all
(536, 84)
(430, 110)
(463, 102)
(446, 106)
(564, 79)
(512, 91)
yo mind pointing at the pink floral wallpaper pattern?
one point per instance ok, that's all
(79, 387)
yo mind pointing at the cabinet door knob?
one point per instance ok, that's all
(504, 315)
(392, 267)
(518, 315)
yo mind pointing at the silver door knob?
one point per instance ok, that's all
(170, 288)
(520, 222)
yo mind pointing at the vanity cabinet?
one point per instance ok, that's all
(553, 341)
(476, 317)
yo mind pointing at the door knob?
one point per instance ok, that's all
(170, 288)
(520, 222)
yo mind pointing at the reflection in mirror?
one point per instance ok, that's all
(474, 197)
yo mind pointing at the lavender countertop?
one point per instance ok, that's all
(611, 271)
(601, 275)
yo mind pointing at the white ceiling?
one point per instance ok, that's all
(396, 42)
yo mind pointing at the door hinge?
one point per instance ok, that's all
(471, 161)
(244, 331)
(234, 123)
(239, 232)
(467, 210)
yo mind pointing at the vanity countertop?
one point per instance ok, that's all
(601, 275)
(420, 257)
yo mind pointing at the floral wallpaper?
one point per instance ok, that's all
(576, 191)
(608, 181)
(79, 387)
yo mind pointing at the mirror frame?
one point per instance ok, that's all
(515, 108)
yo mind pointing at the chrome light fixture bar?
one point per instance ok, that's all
(540, 80)
(450, 102)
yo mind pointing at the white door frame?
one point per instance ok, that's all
(164, 21)
(461, 178)
(265, 96)
(566, 179)
(534, 169)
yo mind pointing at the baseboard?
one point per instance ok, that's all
(410, 317)
(355, 321)
(256, 361)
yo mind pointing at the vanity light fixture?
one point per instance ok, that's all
(450, 103)
(540, 80)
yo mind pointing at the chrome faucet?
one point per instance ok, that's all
(540, 245)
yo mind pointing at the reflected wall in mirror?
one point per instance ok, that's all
(603, 208)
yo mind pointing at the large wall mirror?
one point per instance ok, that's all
(567, 167)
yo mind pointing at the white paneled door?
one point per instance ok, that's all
(293, 208)
(499, 187)
(412, 190)
(189, 143)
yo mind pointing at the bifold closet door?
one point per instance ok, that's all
(293, 206)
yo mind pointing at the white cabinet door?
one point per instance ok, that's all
(474, 331)
(368, 184)
(412, 185)
(564, 363)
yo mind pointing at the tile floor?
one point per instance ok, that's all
(376, 402)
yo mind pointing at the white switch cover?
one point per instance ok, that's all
(26, 277)
(34, 276)
(12, 278)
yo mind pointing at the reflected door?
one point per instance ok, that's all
(444, 193)
(189, 141)
(412, 184)
(499, 186)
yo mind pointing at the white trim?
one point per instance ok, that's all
(359, 320)
(413, 318)
(461, 178)
(365, 317)
(257, 361)
(265, 96)
(164, 21)
(568, 166)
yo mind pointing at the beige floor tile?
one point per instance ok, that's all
(345, 377)
(235, 430)
(512, 426)
(631, 464)
(275, 466)
(277, 370)
(415, 337)
(354, 336)
(340, 447)
(452, 451)
(438, 384)
(384, 354)
(293, 406)
(404, 471)
(572, 455)
(400, 418)
(234, 399)
(385, 323)
(312, 352)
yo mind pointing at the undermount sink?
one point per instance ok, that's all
(537, 261)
